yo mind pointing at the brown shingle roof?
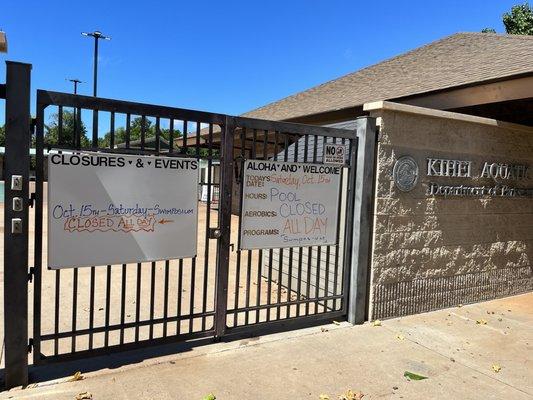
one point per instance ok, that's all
(459, 59)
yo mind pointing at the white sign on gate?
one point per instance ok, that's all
(113, 209)
(289, 204)
(334, 153)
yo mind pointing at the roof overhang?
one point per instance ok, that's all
(515, 87)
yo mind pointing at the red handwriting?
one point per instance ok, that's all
(122, 223)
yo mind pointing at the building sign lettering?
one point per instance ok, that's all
(437, 167)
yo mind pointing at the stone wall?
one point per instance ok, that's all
(431, 252)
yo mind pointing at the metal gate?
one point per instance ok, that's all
(223, 291)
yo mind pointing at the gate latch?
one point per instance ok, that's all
(30, 274)
(214, 233)
(30, 345)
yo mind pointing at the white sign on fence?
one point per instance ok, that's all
(334, 153)
(113, 209)
(289, 204)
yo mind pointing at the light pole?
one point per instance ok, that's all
(75, 82)
(96, 35)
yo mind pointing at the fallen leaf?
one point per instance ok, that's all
(400, 336)
(460, 305)
(84, 396)
(336, 322)
(210, 396)
(323, 397)
(376, 322)
(351, 395)
(323, 329)
(481, 322)
(76, 377)
(496, 367)
(413, 376)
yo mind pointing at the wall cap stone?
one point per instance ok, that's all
(405, 108)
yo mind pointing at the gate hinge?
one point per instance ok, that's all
(30, 345)
(30, 274)
(32, 199)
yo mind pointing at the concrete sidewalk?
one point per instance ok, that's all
(455, 348)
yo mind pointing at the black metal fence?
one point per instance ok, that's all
(90, 310)
(223, 291)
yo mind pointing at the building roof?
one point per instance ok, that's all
(456, 60)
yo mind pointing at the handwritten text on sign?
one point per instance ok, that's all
(113, 209)
(289, 204)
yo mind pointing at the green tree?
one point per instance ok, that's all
(51, 131)
(488, 30)
(2, 135)
(519, 21)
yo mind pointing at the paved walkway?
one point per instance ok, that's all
(458, 349)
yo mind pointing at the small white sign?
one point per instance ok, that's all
(289, 204)
(114, 209)
(334, 153)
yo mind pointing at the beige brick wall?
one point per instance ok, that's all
(434, 252)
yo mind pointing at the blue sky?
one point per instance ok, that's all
(224, 56)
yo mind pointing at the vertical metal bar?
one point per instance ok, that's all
(74, 307)
(180, 293)
(183, 149)
(239, 252)
(123, 303)
(198, 126)
(309, 248)
(289, 272)
(352, 154)
(260, 255)
(94, 143)
(191, 298)
(165, 299)
(171, 136)
(249, 252)
(280, 279)
(300, 252)
(157, 136)
(143, 131)
(138, 301)
(152, 301)
(207, 224)
(112, 131)
(91, 307)
(317, 288)
(17, 162)
(226, 183)
(128, 130)
(60, 125)
(362, 220)
(337, 247)
(107, 304)
(56, 311)
(77, 131)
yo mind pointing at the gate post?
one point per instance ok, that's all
(17, 163)
(223, 242)
(362, 219)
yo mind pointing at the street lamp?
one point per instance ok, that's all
(96, 35)
(75, 82)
